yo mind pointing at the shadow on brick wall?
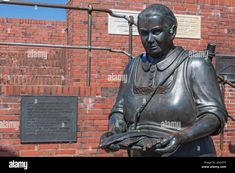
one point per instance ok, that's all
(231, 148)
(7, 153)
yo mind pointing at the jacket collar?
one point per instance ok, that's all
(164, 64)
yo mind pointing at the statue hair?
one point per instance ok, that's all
(159, 10)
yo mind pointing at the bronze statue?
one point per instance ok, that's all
(171, 103)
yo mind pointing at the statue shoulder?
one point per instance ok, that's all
(201, 67)
(198, 63)
(132, 63)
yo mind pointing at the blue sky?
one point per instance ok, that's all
(14, 11)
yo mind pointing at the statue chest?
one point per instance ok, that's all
(172, 101)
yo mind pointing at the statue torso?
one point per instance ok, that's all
(171, 104)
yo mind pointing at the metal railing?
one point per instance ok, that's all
(89, 46)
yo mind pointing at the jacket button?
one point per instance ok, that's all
(152, 70)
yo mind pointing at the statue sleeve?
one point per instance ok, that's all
(206, 91)
(117, 123)
(118, 106)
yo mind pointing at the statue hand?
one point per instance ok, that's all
(169, 145)
(136, 147)
(117, 124)
(112, 147)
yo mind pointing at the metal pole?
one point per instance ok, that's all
(222, 131)
(131, 22)
(67, 35)
(221, 78)
(88, 81)
(38, 4)
(65, 46)
(47, 5)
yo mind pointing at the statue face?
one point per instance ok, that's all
(155, 35)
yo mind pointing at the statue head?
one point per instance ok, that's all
(157, 27)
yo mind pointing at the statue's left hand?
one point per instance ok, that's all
(169, 145)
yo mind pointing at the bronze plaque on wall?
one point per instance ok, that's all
(47, 119)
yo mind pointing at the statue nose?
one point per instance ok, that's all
(150, 38)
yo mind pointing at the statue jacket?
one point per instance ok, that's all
(190, 92)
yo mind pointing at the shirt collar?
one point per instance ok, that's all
(146, 64)
(164, 64)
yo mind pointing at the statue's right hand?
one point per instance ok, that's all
(111, 147)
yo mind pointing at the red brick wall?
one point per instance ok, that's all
(22, 73)
(64, 72)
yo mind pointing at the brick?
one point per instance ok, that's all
(9, 112)
(82, 91)
(35, 90)
(48, 146)
(35, 153)
(8, 130)
(76, 91)
(29, 90)
(93, 91)
(90, 146)
(65, 91)
(11, 134)
(10, 91)
(59, 91)
(8, 153)
(89, 140)
(8, 117)
(70, 91)
(69, 146)
(54, 91)
(47, 90)
(91, 134)
(65, 152)
(9, 142)
(41, 90)
(88, 91)
(100, 122)
(23, 90)
(4, 90)
(25, 147)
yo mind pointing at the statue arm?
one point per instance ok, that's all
(117, 123)
(211, 111)
(212, 114)
(204, 126)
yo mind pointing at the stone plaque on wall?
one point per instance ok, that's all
(119, 25)
(48, 119)
(189, 26)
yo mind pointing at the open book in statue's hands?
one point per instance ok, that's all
(131, 140)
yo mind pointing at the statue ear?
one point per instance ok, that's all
(172, 31)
